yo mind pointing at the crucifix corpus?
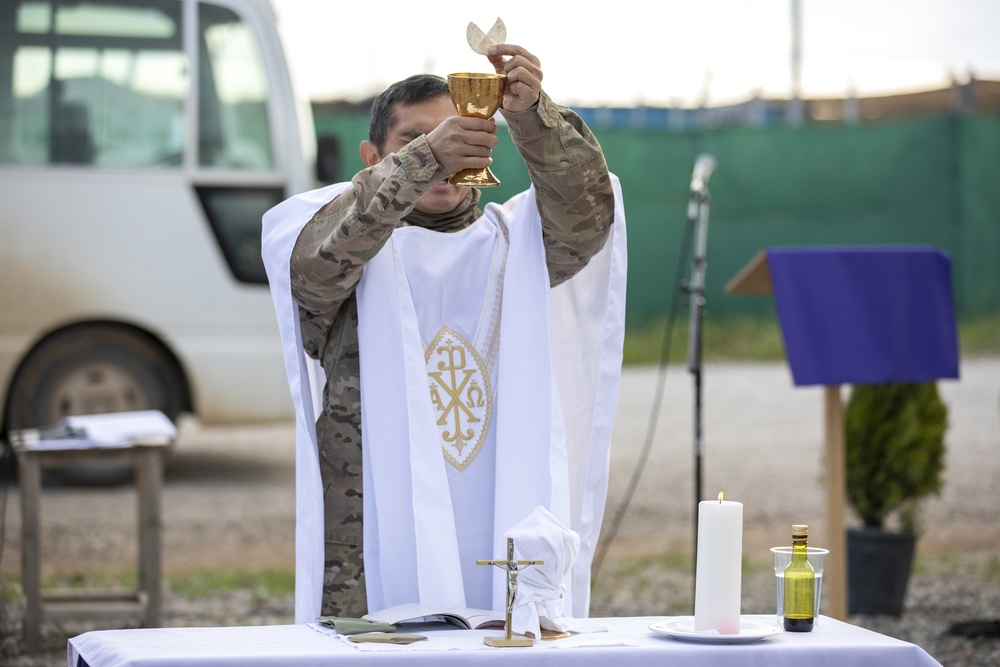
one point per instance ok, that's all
(513, 568)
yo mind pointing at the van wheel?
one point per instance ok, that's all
(94, 369)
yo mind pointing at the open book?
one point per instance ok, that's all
(472, 619)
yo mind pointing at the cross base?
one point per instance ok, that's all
(513, 640)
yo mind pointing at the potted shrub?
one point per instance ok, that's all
(894, 439)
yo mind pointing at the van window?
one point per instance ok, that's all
(104, 83)
(232, 116)
(100, 83)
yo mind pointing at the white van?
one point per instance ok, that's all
(140, 143)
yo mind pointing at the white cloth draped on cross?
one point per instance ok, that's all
(541, 589)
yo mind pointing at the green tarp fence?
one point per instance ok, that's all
(930, 181)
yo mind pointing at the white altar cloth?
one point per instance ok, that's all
(831, 644)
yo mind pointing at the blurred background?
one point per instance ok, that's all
(831, 123)
(683, 54)
(856, 122)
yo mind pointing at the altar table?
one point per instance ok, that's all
(832, 643)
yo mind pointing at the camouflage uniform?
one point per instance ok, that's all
(576, 203)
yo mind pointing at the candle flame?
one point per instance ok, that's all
(720, 496)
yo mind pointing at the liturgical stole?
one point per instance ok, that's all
(461, 424)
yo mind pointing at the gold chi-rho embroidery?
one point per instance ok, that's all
(461, 396)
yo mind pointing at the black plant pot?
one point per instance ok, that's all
(878, 570)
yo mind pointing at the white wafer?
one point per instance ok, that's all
(481, 42)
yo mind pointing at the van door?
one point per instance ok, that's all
(140, 143)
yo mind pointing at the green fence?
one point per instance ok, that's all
(928, 181)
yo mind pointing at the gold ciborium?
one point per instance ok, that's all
(478, 96)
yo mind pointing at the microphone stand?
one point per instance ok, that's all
(698, 212)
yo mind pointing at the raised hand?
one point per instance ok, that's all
(463, 143)
(524, 75)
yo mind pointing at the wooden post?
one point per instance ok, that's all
(835, 572)
(149, 482)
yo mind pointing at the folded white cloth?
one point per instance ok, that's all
(541, 589)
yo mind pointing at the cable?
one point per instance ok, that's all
(682, 262)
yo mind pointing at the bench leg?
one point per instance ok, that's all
(30, 475)
(149, 480)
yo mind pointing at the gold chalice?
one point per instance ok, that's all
(478, 96)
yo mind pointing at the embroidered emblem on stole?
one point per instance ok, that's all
(461, 396)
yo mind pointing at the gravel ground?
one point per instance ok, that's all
(762, 437)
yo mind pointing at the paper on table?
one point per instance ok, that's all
(118, 429)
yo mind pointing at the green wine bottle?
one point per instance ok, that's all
(799, 585)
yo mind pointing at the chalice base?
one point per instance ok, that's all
(475, 178)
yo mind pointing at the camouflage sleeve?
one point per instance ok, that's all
(574, 193)
(348, 232)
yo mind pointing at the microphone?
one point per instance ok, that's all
(704, 164)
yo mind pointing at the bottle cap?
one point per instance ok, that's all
(800, 530)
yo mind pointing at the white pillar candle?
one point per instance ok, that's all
(718, 574)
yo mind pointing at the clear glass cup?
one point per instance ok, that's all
(782, 557)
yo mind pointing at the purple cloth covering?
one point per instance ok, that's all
(865, 314)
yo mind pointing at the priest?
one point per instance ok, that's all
(430, 413)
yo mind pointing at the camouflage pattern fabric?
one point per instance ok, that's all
(344, 581)
(576, 203)
(338, 434)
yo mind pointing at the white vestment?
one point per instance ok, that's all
(412, 552)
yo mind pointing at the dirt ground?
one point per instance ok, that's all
(229, 497)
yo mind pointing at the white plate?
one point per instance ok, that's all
(682, 629)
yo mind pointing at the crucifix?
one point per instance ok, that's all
(513, 568)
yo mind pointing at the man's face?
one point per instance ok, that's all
(409, 122)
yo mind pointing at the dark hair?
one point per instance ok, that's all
(416, 88)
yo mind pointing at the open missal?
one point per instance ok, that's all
(471, 619)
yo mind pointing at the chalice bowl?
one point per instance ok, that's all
(478, 96)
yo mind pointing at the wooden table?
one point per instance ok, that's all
(144, 603)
